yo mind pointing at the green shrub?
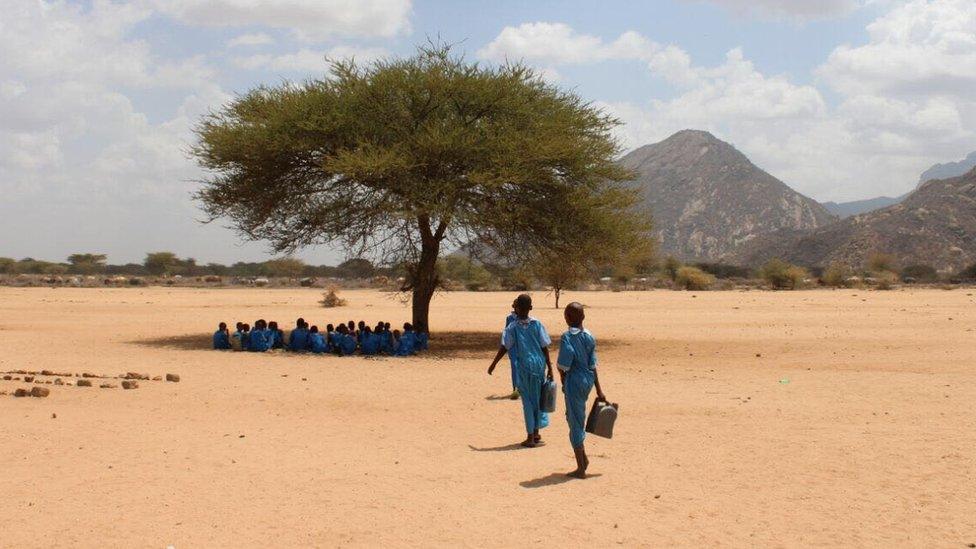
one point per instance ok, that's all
(693, 278)
(782, 275)
(837, 275)
(920, 273)
(879, 263)
(331, 299)
(671, 267)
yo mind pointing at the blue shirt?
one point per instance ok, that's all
(371, 344)
(524, 340)
(317, 343)
(346, 343)
(298, 340)
(577, 350)
(260, 341)
(408, 342)
(221, 340)
(423, 341)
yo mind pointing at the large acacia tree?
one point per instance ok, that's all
(403, 157)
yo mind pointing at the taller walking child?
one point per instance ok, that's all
(577, 371)
(528, 342)
(512, 317)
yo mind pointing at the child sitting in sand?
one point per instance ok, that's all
(245, 336)
(260, 340)
(298, 338)
(237, 338)
(344, 343)
(408, 341)
(527, 340)
(277, 335)
(577, 371)
(369, 342)
(317, 343)
(221, 338)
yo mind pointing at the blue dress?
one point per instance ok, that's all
(423, 341)
(512, 317)
(524, 340)
(317, 343)
(277, 339)
(259, 341)
(346, 343)
(298, 340)
(221, 340)
(407, 344)
(371, 344)
(577, 357)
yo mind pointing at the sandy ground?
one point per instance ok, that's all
(822, 418)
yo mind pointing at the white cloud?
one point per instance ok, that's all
(905, 99)
(795, 9)
(250, 40)
(310, 19)
(306, 60)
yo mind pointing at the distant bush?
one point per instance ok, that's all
(693, 278)
(671, 267)
(919, 273)
(969, 273)
(331, 299)
(837, 275)
(880, 262)
(885, 280)
(722, 270)
(782, 275)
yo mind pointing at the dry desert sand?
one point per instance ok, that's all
(818, 418)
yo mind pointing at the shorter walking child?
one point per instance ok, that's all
(577, 371)
(527, 340)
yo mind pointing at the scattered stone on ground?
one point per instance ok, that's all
(84, 383)
(88, 374)
(130, 384)
(40, 392)
(175, 378)
(135, 375)
(47, 373)
(7, 378)
(58, 381)
(28, 379)
(21, 393)
(157, 378)
(108, 386)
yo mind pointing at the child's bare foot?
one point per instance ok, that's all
(537, 438)
(529, 442)
(577, 473)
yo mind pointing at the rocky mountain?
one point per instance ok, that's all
(847, 209)
(949, 169)
(707, 199)
(938, 171)
(935, 225)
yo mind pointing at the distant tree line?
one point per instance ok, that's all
(169, 264)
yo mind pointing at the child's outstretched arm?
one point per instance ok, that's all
(498, 356)
(596, 383)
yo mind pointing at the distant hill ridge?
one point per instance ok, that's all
(707, 199)
(935, 225)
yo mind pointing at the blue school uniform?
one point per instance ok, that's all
(577, 357)
(259, 341)
(221, 340)
(370, 344)
(386, 342)
(346, 343)
(423, 341)
(298, 340)
(246, 341)
(512, 317)
(524, 340)
(317, 344)
(407, 344)
(277, 339)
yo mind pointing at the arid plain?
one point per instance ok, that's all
(777, 419)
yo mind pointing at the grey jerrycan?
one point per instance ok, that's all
(601, 419)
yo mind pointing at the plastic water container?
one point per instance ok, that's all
(601, 419)
(548, 400)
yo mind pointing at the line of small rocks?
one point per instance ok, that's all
(130, 381)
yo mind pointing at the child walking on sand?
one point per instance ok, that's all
(528, 342)
(577, 371)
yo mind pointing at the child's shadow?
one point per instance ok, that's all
(552, 479)
(506, 448)
(499, 397)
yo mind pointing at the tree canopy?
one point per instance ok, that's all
(394, 159)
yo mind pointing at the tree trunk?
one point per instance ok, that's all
(425, 283)
(556, 291)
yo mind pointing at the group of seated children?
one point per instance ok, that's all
(344, 340)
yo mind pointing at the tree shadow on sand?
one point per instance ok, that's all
(553, 479)
(443, 345)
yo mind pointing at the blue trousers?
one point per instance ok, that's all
(579, 382)
(530, 392)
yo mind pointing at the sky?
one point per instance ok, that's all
(841, 99)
